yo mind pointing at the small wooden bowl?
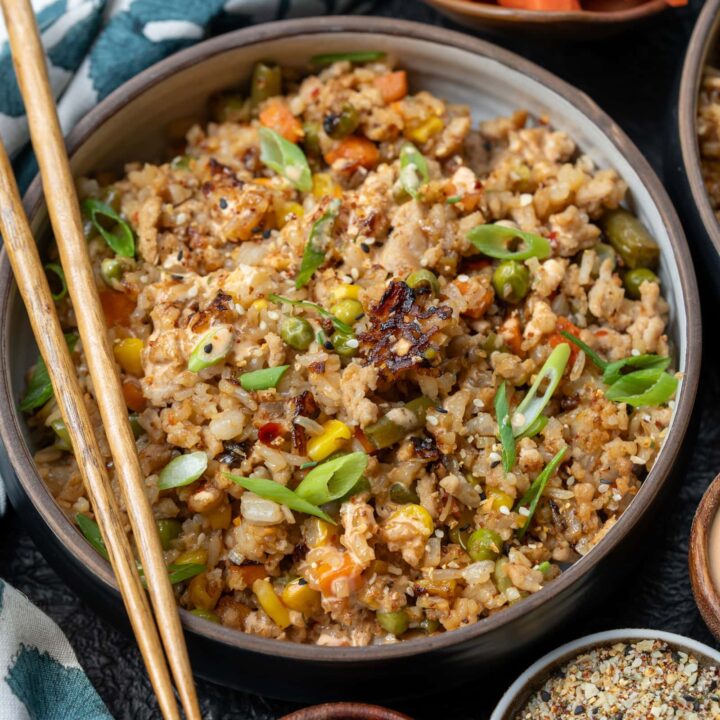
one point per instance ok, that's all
(346, 711)
(586, 23)
(706, 594)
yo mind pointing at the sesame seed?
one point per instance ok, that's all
(355, 273)
(432, 420)
(478, 403)
(617, 497)
(504, 510)
(352, 343)
(273, 315)
(208, 348)
(494, 457)
(524, 511)
(463, 278)
(634, 352)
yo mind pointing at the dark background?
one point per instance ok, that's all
(632, 77)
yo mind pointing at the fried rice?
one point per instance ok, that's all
(218, 233)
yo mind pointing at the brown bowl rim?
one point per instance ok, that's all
(71, 539)
(707, 596)
(345, 711)
(704, 35)
(509, 16)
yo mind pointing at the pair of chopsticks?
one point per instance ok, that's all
(29, 60)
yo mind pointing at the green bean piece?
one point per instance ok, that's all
(630, 238)
(511, 280)
(484, 544)
(91, 531)
(402, 494)
(317, 244)
(500, 577)
(337, 323)
(137, 428)
(57, 270)
(266, 83)
(120, 237)
(183, 470)
(505, 431)
(62, 436)
(393, 622)
(399, 422)
(212, 348)
(344, 344)
(311, 139)
(414, 171)
(633, 280)
(262, 379)
(531, 407)
(39, 388)
(499, 241)
(649, 387)
(533, 494)
(423, 281)
(168, 530)
(208, 615)
(285, 158)
(296, 332)
(338, 125)
(604, 252)
(361, 56)
(332, 479)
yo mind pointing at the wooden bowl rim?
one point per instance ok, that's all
(69, 538)
(345, 711)
(705, 591)
(702, 40)
(509, 16)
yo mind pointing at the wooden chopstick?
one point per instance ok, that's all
(34, 288)
(29, 60)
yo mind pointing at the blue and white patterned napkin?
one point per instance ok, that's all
(93, 46)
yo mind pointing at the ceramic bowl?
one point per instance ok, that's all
(704, 587)
(129, 124)
(345, 711)
(535, 676)
(596, 21)
(685, 164)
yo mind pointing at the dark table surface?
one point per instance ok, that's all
(631, 76)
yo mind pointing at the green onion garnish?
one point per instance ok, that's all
(495, 241)
(178, 573)
(285, 158)
(39, 388)
(529, 409)
(361, 56)
(332, 479)
(537, 487)
(121, 239)
(317, 243)
(60, 274)
(319, 309)
(262, 379)
(502, 414)
(183, 470)
(270, 490)
(453, 199)
(413, 169)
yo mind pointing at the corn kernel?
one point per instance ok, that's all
(260, 304)
(203, 594)
(298, 595)
(415, 514)
(334, 435)
(318, 533)
(270, 603)
(324, 186)
(500, 499)
(192, 557)
(128, 353)
(422, 133)
(345, 292)
(285, 211)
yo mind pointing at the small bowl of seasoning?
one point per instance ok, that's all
(629, 674)
(346, 711)
(704, 557)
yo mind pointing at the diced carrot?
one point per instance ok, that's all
(541, 5)
(348, 571)
(117, 308)
(393, 86)
(564, 324)
(134, 397)
(276, 115)
(251, 573)
(356, 151)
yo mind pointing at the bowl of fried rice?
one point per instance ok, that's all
(409, 338)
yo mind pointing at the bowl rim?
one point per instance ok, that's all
(704, 35)
(511, 16)
(707, 595)
(569, 650)
(689, 304)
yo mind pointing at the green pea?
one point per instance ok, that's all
(341, 124)
(484, 544)
(631, 239)
(111, 271)
(296, 332)
(266, 83)
(393, 622)
(633, 279)
(511, 280)
(402, 494)
(62, 436)
(604, 252)
(345, 344)
(423, 281)
(500, 578)
(348, 310)
(311, 139)
(429, 626)
(205, 615)
(168, 530)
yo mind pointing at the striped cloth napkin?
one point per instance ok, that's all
(93, 46)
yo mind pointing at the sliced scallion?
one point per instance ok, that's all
(182, 470)
(91, 531)
(502, 414)
(332, 479)
(649, 387)
(413, 169)
(337, 324)
(39, 388)
(317, 244)
(285, 158)
(121, 239)
(262, 379)
(360, 56)
(496, 241)
(57, 270)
